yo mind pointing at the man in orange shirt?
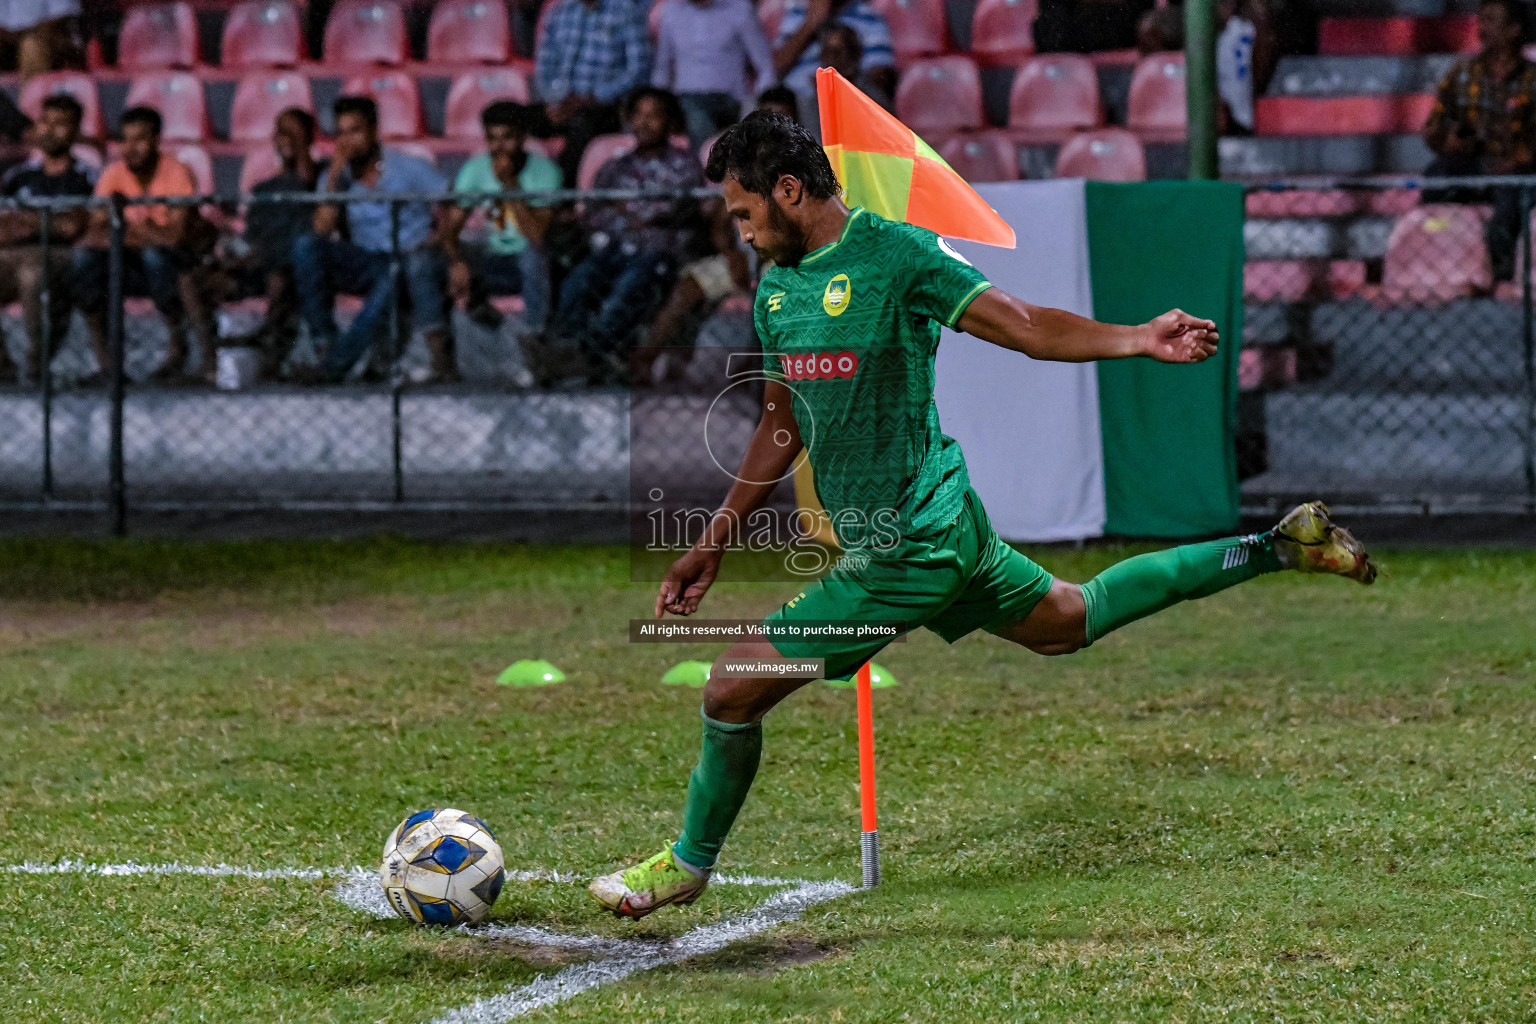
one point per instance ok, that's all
(162, 247)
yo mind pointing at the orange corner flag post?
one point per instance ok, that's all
(869, 838)
(885, 168)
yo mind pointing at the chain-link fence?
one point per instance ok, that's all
(1387, 364)
(1387, 357)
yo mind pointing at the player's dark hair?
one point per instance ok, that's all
(763, 148)
(671, 106)
(507, 114)
(362, 106)
(305, 118)
(67, 105)
(149, 117)
(1516, 11)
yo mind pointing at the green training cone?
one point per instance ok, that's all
(687, 673)
(530, 673)
(879, 678)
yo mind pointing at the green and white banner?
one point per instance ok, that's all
(1134, 448)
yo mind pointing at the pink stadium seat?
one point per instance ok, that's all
(1106, 154)
(771, 13)
(473, 91)
(158, 36)
(1401, 35)
(986, 156)
(263, 34)
(1156, 107)
(1266, 368)
(940, 95)
(81, 86)
(1391, 202)
(1303, 203)
(260, 97)
(469, 32)
(1002, 31)
(195, 159)
(398, 99)
(178, 95)
(598, 152)
(366, 32)
(1299, 280)
(1436, 253)
(917, 27)
(1382, 114)
(1053, 95)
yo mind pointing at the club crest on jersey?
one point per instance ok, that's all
(819, 365)
(835, 299)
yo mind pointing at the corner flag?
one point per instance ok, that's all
(887, 169)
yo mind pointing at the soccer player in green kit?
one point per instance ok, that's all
(851, 311)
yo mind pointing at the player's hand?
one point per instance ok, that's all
(687, 581)
(1177, 337)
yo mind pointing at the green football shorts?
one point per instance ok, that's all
(954, 581)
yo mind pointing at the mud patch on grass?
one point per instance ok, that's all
(764, 956)
(481, 950)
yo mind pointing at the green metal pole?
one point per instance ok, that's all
(1200, 87)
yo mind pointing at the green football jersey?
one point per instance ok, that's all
(855, 328)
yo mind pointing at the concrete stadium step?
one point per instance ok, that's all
(1359, 76)
(1344, 155)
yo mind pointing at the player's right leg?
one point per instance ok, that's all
(734, 706)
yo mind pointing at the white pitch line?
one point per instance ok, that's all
(80, 867)
(548, 989)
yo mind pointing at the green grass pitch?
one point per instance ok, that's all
(1300, 800)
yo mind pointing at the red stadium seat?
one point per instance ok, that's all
(473, 91)
(158, 36)
(1156, 107)
(917, 27)
(81, 86)
(260, 97)
(771, 13)
(469, 32)
(1436, 253)
(366, 32)
(1002, 31)
(1403, 35)
(263, 34)
(399, 102)
(1106, 154)
(1303, 203)
(598, 152)
(1382, 114)
(196, 160)
(1054, 95)
(178, 95)
(1300, 280)
(940, 95)
(986, 156)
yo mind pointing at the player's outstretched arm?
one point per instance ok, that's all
(771, 451)
(1054, 334)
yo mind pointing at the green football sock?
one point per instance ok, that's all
(1140, 586)
(717, 789)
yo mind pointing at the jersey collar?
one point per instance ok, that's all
(817, 254)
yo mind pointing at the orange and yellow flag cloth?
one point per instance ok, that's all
(887, 169)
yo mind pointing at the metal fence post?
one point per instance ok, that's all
(396, 345)
(45, 347)
(116, 494)
(1529, 330)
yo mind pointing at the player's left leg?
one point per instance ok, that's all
(1070, 617)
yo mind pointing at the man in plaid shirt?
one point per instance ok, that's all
(1484, 122)
(591, 54)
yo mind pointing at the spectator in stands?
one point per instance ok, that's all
(592, 53)
(1160, 30)
(781, 100)
(511, 259)
(636, 246)
(55, 173)
(1246, 56)
(1484, 122)
(325, 263)
(164, 247)
(1088, 26)
(271, 230)
(798, 54)
(841, 51)
(712, 53)
(45, 33)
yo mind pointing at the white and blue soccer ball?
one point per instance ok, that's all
(442, 867)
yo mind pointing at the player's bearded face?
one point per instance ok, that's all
(784, 243)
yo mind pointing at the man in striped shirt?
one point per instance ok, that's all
(591, 55)
(797, 53)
